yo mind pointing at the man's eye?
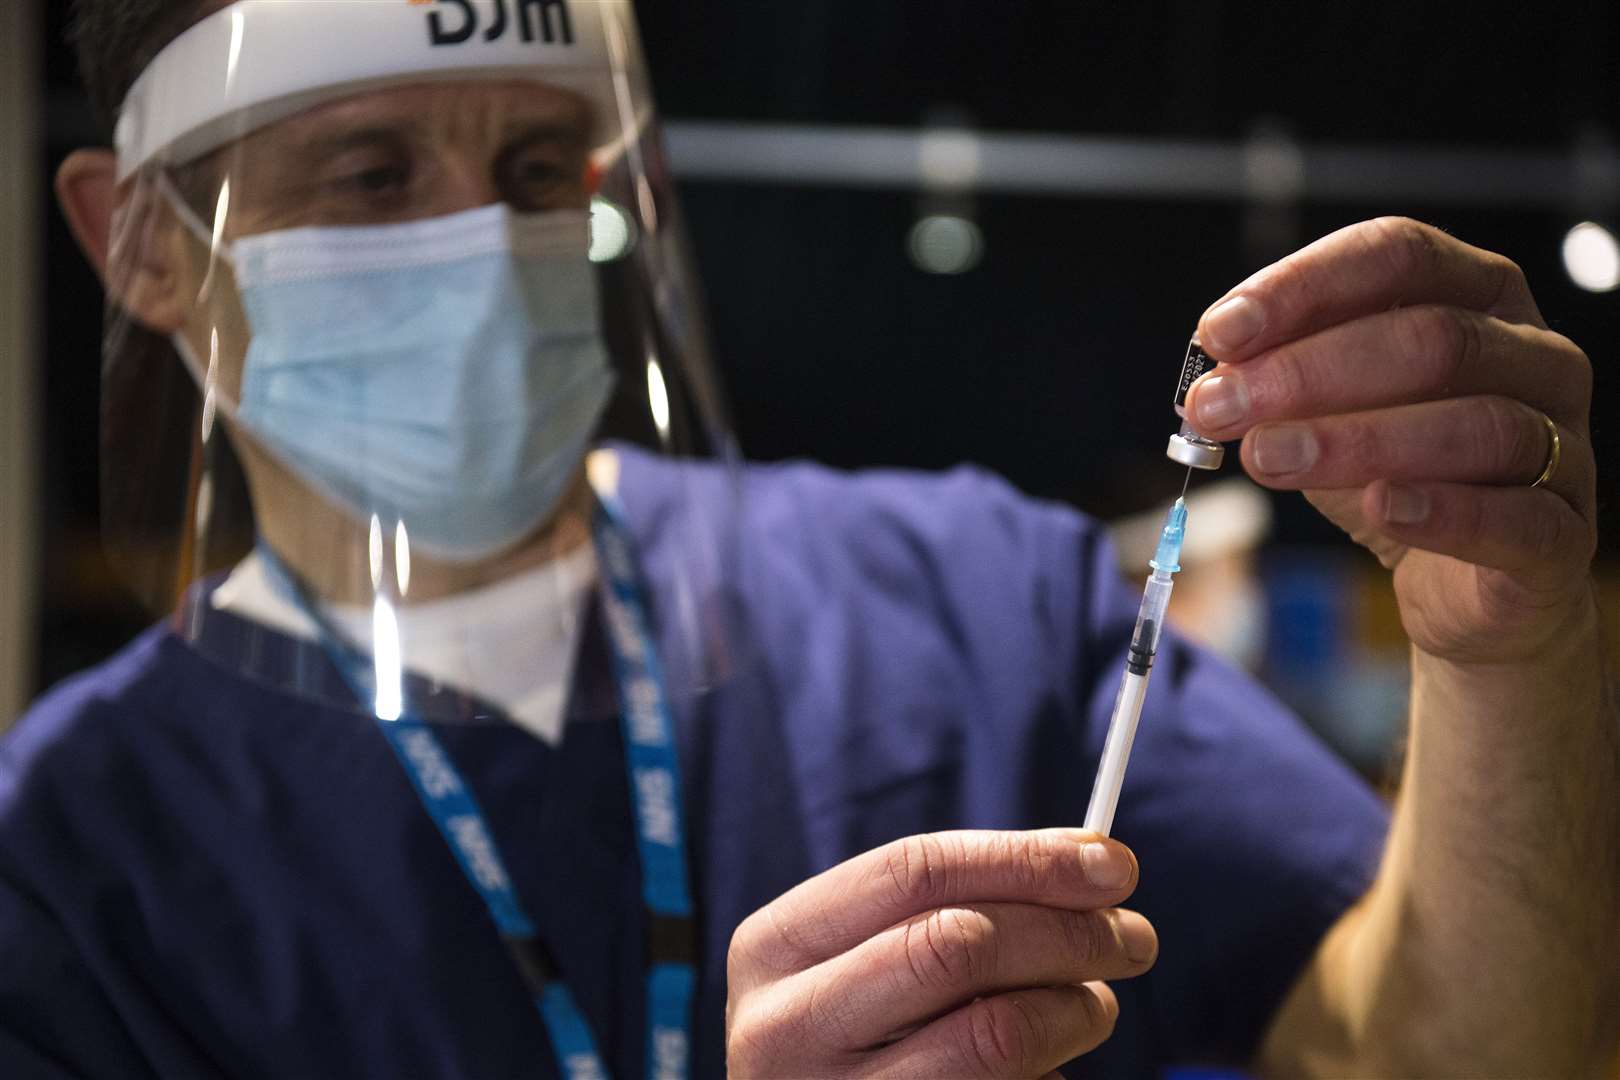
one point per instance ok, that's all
(383, 178)
(536, 185)
(538, 172)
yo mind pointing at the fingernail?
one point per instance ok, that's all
(1405, 506)
(1281, 450)
(1233, 324)
(1106, 867)
(1137, 937)
(1223, 400)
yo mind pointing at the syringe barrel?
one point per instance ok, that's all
(1150, 622)
(1116, 753)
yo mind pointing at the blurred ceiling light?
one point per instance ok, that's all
(1592, 257)
(612, 231)
(946, 244)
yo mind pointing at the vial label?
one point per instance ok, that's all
(1198, 361)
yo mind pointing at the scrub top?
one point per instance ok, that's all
(202, 875)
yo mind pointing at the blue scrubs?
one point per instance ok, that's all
(202, 875)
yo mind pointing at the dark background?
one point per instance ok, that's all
(1052, 361)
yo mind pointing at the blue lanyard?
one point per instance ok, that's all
(655, 789)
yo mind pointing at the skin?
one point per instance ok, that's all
(1414, 363)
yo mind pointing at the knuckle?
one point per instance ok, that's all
(1408, 245)
(1549, 539)
(1358, 439)
(750, 1044)
(736, 966)
(1579, 367)
(950, 948)
(1510, 279)
(1510, 270)
(771, 1028)
(764, 940)
(1577, 355)
(1032, 860)
(1440, 341)
(1001, 1036)
(832, 1014)
(1291, 379)
(1087, 936)
(1102, 1011)
(1470, 517)
(1511, 439)
(741, 950)
(916, 867)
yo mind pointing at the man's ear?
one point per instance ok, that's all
(143, 276)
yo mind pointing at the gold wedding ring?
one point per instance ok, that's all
(1553, 454)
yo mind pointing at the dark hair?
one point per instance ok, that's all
(150, 404)
(116, 39)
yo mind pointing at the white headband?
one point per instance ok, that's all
(259, 61)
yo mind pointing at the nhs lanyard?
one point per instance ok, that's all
(654, 774)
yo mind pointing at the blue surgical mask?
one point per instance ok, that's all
(446, 373)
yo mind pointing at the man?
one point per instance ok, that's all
(362, 226)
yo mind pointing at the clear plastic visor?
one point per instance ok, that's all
(370, 366)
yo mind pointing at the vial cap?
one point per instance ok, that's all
(1195, 453)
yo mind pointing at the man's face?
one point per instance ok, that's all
(380, 157)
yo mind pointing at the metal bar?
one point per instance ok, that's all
(1034, 164)
(19, 311)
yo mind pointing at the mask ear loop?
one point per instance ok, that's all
(211, 238)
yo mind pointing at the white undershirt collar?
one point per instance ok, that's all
(512, 643)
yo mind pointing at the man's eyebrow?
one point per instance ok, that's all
(337, 142)
(518, 133)
(533, 131)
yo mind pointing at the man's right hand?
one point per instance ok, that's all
(970, 954)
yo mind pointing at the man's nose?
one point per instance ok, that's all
(464, 184)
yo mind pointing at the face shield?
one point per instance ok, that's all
(397, 289)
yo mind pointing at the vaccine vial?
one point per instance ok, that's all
(1187, 447)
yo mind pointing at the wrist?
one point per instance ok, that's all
(1568, 639)
(1561, 685)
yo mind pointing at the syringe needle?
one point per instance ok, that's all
(1185, 482)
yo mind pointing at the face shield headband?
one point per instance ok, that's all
(259, 61)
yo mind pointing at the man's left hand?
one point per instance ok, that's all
(1401, 378)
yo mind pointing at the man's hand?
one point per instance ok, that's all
(1406, 382)
(1399, 377)
(971, 954)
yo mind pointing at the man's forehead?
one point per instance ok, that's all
(458, 103)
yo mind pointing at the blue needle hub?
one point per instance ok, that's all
(1168, 556)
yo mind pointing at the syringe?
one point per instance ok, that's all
(1191, 449)
(1166, 562)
